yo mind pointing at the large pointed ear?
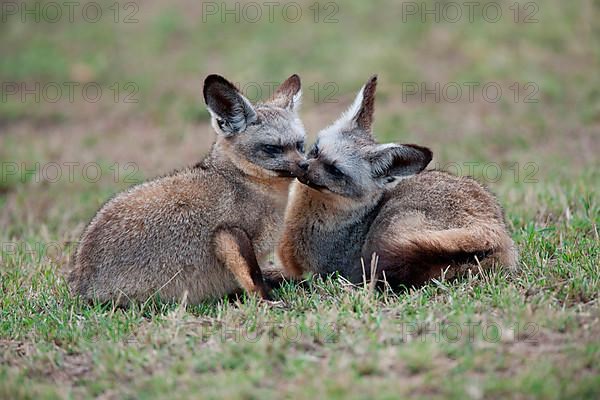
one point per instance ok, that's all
(393, 160)
(230, 110)
(360, 113)
(288, 94)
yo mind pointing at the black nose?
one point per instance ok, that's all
(303, 165)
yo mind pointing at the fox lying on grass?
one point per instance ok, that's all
(358, 197)
(200, 230)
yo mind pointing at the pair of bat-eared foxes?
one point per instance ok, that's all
(202, 232)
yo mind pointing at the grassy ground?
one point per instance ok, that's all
(530, 334)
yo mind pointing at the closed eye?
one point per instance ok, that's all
(271, 149)
(333, 170)
(314, 152)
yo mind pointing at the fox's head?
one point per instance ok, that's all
(346, 160)
(264, 140)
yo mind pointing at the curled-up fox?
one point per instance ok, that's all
(358, 197)
(201, 230)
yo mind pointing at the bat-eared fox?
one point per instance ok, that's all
(204, 229)
(358, 197)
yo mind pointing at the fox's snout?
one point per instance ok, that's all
(305, 174)
(308, 176)
(303, 165)
(292, 164)
(302, 170)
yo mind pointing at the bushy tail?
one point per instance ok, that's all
(417, 257)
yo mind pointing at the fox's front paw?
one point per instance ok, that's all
(264, 291)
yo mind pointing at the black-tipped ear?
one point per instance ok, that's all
(390, 160)
(288, 94)
(231, 111)
(364, 116)
(360, 113)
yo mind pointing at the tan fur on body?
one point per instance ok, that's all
(198, 231)
(418, 223)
